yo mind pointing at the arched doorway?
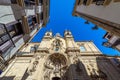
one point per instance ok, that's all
(57, 58)
(56, 78)
(55, 65)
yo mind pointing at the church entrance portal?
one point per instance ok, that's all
(56, 78)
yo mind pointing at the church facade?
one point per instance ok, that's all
(58, 58)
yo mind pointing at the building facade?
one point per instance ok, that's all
(103, 13)
(20, 20)
(2, 64)
(58, 58)
(113, 41)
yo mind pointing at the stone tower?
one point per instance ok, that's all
(58, 58)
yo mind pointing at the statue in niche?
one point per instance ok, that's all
(48, 68)
(56, 69)
(35, 64)
(48, 65)
(47, 75)
(32, 68)
(57, 44)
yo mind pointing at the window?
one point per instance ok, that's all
(48, 34)
(79, 2)
(57, 49)
(2, 30)
(10, 28)
(32, 49)
(100, 2)
(41, 16)
(12, 33)
(32, 22)
(14, 1)
(68, 33)
(29, 2)
(82, 48)
(109, 36)
(85, 2)
(41, 1)
(0, 71)
(5, 37)
(0, 41)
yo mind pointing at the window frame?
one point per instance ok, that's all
(82, 48)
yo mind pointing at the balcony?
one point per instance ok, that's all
(5, 46)
(102, 2)
(107, 2)
(12, 34)
(80, 2)
(87, 2)
(29, 3)
(106, 44)
(14, 1)
(32, 21)
(41, 16)
(30, 11)
(41, 2)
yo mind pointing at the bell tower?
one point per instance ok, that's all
(48, 35)
(68, 34)
(45, 43)
(69, 39)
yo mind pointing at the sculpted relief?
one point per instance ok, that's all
(54, 66)
(95, 72)
(57, 45)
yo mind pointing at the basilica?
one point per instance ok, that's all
(61, 58)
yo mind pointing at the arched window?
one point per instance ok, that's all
(48, 34)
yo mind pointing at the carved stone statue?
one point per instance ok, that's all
(47, 75)
(56, 44)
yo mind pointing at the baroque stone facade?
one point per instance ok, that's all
(57, 58)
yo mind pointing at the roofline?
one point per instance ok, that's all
(84, 41)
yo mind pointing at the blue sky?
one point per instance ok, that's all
(61, 19)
